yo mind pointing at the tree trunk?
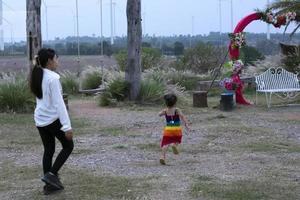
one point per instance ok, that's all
(33, 29)
(134, 41)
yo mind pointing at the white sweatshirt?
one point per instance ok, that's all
(51, 107)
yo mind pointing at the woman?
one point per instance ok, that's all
(51, 116)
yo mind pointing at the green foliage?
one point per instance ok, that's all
(187, 80)
(151, 91)
(202, 58)
(117, 90)
(292, 61)
(15, 95)
(250, 54)
(267, 47)
(150, 58)
(69, 82)
(106, 99)
(178, 48)
(91, 78)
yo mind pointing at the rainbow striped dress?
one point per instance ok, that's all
(172, 131)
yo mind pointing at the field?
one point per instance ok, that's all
(19, 63)
(250, 153)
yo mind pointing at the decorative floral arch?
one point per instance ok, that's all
(237, 38)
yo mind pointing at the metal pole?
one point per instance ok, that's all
(231, 9)
(1, 27)
(47, 32)
(268, 26)
(220, 16)
(78, 45)
(114, 17)
(101, 27)
(46, 14)
(111, 24)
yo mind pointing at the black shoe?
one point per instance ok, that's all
(52, 180)
(49, 189)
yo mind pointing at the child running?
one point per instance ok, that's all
(172, 131)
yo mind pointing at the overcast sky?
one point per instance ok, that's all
(160, 17)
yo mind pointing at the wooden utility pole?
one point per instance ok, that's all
(33, 28)
(134, 42)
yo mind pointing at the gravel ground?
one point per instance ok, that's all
(224, 145)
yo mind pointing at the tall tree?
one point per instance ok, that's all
(134, 43)
(33, 28)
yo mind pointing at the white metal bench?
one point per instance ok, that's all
(282, 83)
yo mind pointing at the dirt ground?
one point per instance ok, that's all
(249, 153)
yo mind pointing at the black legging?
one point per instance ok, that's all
(48, 134)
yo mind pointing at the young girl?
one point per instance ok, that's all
(51, 116)
(172, 131)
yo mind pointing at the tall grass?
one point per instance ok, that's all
(15, 95)
(116, 89)
(91, 78)
(151, 91)
(70, 82)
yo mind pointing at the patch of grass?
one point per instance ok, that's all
(273, 147)
(69, 82)
(17, 131)
(78, 151)
(21, 182)
(243, 189)
(149, 147)
(81, 126)
(112, 131)
(16, 119)
(12, 177)
(120, 146)
(91, 80)
(15, 96)
(219, 116)
(237, 129)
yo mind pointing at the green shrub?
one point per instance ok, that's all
(151, 91)
(202, 58)
(187, 80)
(15, 95)
(91, 78)
(69, 82)
(116, 90)
(119, 89)
(106, 99)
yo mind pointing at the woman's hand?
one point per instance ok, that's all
(69, 134)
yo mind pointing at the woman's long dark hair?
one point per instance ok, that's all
(36, 76)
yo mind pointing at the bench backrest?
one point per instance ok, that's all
(276, 78)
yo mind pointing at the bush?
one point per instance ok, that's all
(69, 82)
(15, 95)
(91, 78)
(185, 79)
(116, 90)
(250, 54)
(156, 83)
(202, 58)
(292, 61)
(151, 91)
